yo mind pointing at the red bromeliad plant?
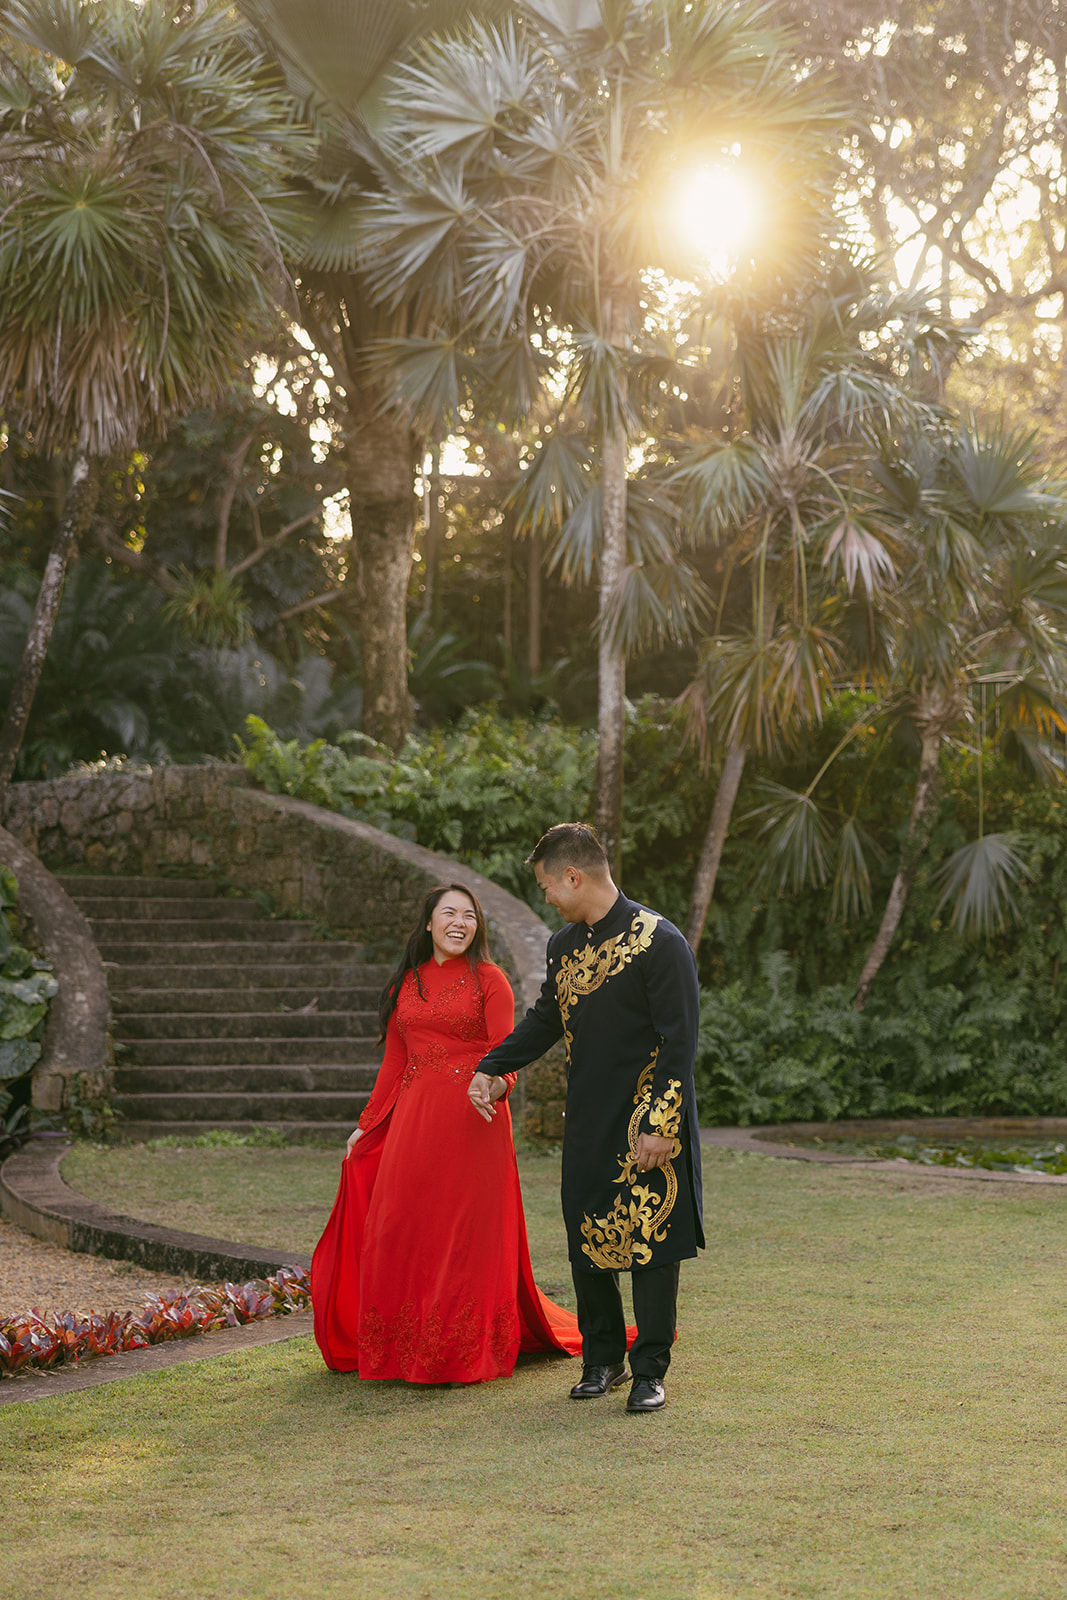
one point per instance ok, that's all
(42, 1340)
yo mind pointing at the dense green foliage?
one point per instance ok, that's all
(954, 1026)
(26, 987)
(482, 793)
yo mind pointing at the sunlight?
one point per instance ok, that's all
(717, 212)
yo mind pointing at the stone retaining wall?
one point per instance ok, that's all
(354, 880)
(77, 1039)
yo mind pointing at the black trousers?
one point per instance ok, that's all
(600, 1317)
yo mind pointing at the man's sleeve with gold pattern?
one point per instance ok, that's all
(674, 1004)
(538, 1031)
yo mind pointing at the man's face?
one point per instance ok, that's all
(564, 892)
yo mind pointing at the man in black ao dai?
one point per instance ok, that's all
(621, 991)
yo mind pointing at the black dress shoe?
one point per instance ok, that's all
(646, 1394)
(598, 1380)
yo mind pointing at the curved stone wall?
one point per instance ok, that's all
(77, 1034)
(358, 882)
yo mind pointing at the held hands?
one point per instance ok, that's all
(483, 1090)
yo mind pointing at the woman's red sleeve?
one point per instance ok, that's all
(499, 1002)
(390, 1076)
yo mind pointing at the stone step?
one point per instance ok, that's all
(294, 1079)
(247, 1052)
(199, 982)
(78, 885)
(228, 952)
(138, 1131)
(309, 977)
(104, 909)
(122, 930)
(246, 1025)
(214, 1110)
(129, 1002)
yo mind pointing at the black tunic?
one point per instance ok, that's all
(623, 995)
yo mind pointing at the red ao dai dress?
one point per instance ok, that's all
(423, 1272)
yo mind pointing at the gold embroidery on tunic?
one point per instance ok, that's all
(665, 1117)
(624, 1238)
(583, 971)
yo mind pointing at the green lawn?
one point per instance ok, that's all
(867, 1400)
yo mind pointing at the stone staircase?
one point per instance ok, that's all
(227, 1018)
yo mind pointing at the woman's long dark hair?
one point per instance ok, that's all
(419, 949)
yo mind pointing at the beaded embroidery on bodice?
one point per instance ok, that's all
(425, 1022)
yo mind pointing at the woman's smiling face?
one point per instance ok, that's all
(452, 925)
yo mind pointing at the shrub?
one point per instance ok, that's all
(768, 1053)
(46, 1340)
(481, 792)
(26, 987)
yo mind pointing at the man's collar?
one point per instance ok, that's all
(598, 929)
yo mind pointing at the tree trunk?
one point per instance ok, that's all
(714, 840)
(611, 663)
(78, 508)
(382, 456)
(434, 518)
(920, 827)
(533, 601)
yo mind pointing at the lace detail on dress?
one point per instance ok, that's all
(456, 1011)
(504, 1334)
(433, 1059)
(430, 1345)
(458, 1008)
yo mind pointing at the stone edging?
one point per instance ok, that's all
(77, 1034)
(770, 1141)
(35, 1197)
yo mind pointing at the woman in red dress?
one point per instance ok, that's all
(423, 1272)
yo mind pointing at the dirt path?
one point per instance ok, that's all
(36, 1274)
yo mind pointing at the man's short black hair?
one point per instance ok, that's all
(569, 844)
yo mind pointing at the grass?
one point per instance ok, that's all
(867, 1401)
(275, 1198)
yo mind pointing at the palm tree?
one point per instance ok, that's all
(986, 592)
(795, 501)
(337, 55)
(525, 209)
(143, 213)
(980, 592)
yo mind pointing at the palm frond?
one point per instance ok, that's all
(721, 486)
(597, 383)
(427, 379)
(999, 471)
(856, 549)
(555, 481)
(577, 543)
(344, 48)
(659, 603)
(978, 880)
(796, 836)
(851, 897)
(455, 94)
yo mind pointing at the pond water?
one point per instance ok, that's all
(997, 1155)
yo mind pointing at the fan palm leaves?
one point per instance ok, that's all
(144, 153)
(979, 597)
(338, 57)
(796, 501)
(527, 204)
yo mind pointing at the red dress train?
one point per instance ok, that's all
(423, 1271)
